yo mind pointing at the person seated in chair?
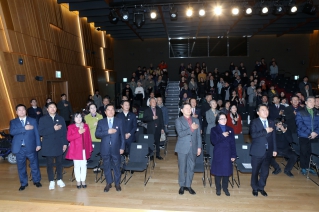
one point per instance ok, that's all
(284, 138)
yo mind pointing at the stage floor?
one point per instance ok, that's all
(161, 193)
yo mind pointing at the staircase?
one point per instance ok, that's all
(171, 102)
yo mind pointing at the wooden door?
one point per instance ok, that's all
(55, 89)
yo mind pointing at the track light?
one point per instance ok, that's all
(235, 11)
(264, 10)
(278, 9)
(125, 14)
(248, 11)
(201, 12)
(173, 13)
(153, 14)
(189, 12)
(293, 9)
(218, 10)
(139, 17)
(113, 16)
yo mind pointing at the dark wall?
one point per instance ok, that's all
(291, 53)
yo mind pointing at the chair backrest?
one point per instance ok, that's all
(315, 152)
(41, 160)
(147, 139)
(207, 139)
(239, 139)
(138, 152)
(243, 153)
(200, 159)
(139, 131)
(96, 149)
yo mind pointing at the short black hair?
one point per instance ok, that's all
(295, 96)
(51, 103)
(259, 106)
(275, 96)
(75, 115)
(21, 105)
(183, 105)
(91, 105)
(106, 97)
(109, 105)
(63, 94)
(123, 101)
(32, 100)
(277, 120)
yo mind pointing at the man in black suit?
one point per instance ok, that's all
(110, 130)
(263, 148)
(290, 115)
(205, 106)
(52, 128)
(65, 109)
(196, 112)
(106, 101)
(276, 110)
(155, 125)
(34, 111)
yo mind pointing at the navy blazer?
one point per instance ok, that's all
(129, 125)
(52, 140)
(260, 137)
(117, 139)
(31, 137)
(33, 113)
(274, 111)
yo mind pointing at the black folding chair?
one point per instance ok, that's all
(314, 161)
(243, 161)
(150, 141)
(122, 165)
(95, 160)
(239, 139)
(66, 163)
(139, 161)
(200, 167)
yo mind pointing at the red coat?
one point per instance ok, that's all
(237, 128)
(76, 144)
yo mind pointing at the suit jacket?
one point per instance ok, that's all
(260, 137)
(186, 138)
(65, 112)
(148, 118)
(205, 107)
(31, 138)
(129, 125)
(274, 111)
(52, 140)
(117, 139)
(211, 120)
(304, 93)
(33, 113)
(199, 113)
(102, 111)
(291, 118)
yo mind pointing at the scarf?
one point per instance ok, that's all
(233, 116)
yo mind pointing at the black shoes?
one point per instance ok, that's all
(288, 173)
(263, 192)
(218, 192)
(159, 157)
(255, 193)
(38, 184)
(84, 186)
(181, 190)
(190, 190)
(118, 187)
(23, 187)
(107, 187)
(227, 192)
(276, 171)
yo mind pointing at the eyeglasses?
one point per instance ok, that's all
(222, 119)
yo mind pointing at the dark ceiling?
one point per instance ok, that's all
(97, 11)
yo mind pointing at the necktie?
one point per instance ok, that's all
(265, 125)
(154, 111)
(193, 111)
(22, 122)
(277, 106)
(110, 123)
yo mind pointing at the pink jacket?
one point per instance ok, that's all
(76, 144)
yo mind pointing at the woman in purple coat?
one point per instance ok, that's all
(223, 139)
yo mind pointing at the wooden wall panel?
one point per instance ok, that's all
(313, 69)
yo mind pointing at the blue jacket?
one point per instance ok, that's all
(31, 137)
(165, 114)
(305, 123)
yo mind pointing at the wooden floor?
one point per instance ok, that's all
(161, 193)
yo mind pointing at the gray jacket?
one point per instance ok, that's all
(186, 138)
(251, 94)
(211, 119)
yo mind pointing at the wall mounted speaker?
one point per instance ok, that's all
(39, 78)
(20, 78)
(20, 61)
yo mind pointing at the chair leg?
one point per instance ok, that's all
(128, 178)
(72, 178)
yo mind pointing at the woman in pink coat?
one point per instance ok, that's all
(80, 148)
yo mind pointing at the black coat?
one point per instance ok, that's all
(148, 118)
(65, 112)
(52, 141)
(33, 113)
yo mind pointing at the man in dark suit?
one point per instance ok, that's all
(52, 128)
(154, 118)
(226, 92)
(276, 110)
(106, 101)
(65, 109)
(290, 115)
(205, 106)
(110, 130)
(263, 148)
(34, 111)
(196, 112)
(25, 144)
(189, 145)
(129, 124)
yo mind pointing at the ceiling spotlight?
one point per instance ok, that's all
(309, 8)
(235, 11)
(113, 17)
(125, 14)
(264, 10)
(278, 9)
(218, 10)
(248, 10)
(139, 17)
(293, 9)
(173, 13)
(153, 14)
(189, 12)
(201, 12)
